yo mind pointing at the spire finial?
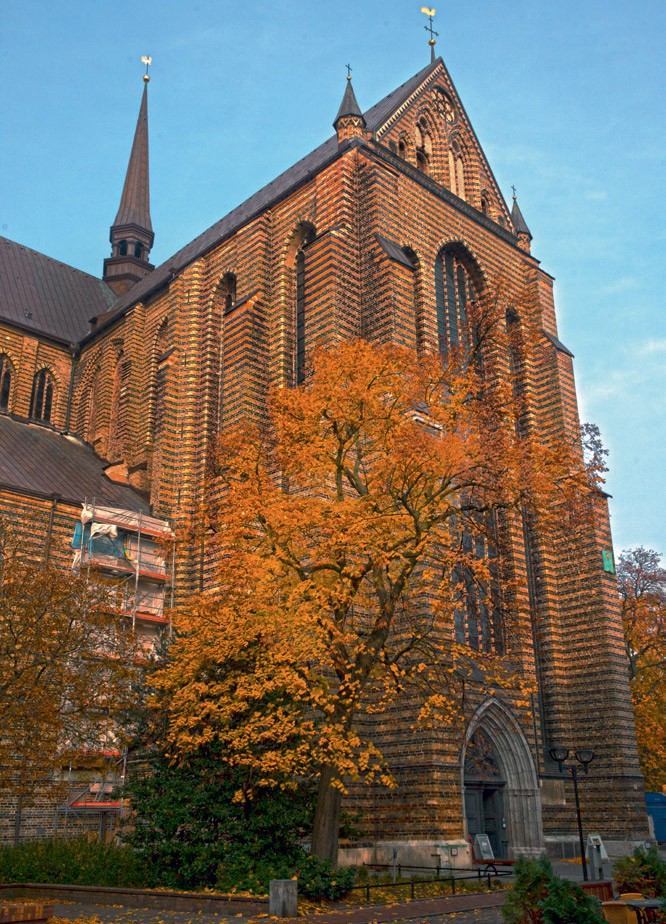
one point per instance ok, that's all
(430, 12)
(349, 70)
(147, 60)
(514, 192)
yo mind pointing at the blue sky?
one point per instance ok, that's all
(567, 100)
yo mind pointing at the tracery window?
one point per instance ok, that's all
(41, 400)
(478, 619)
(455, 289)
(6, 375)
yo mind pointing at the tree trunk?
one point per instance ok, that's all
(326, 826)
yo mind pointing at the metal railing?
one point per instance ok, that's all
(455, 874)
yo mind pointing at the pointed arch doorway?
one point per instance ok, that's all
(500, 783)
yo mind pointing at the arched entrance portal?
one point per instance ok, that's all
(500, 783)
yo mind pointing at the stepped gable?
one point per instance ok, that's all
(47, 297)
(277, 189)
(39, 460)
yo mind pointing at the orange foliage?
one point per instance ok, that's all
(347, 539)
(67, 670)
(642, 585)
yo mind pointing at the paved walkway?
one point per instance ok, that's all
(478, 908)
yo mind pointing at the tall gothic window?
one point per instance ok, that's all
(116, 419)
(478, 619)
(41, 400)
(162, 360)
(455, 290)
(297, 263)
(6, 375)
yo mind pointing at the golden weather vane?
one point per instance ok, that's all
(147, 60)
(430, 12)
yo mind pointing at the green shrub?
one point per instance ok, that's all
(317, 879)
(567, 903)
(77, 861)
(644, 872)
(531, 886)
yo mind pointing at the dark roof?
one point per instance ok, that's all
(47, 296)
(394, 251)
(38, 460)
(349, 105)
(519, 222)
(134, 206)
(263, 199)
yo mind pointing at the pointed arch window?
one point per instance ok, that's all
(228, 291)
(455, 289)
(423, 146)
(122, 249)
(41, 400)
(6, 376)
(457, 169)
(118, 397)
(138, 250)
(305, 236)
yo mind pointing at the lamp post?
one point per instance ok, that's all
(584, 756)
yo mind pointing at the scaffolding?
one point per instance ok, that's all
(136, 553)
(134, 550)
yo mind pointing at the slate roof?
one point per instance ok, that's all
(46, 296)
(519, 222)
(267, 196)
(37, 459)
(349, 105)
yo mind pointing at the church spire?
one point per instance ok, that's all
(131, 233)
(349, 122)
(520, 225)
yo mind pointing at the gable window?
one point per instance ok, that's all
(6, 372)
(456, 170)
(423, 146)
(41, 400)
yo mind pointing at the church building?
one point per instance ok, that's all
(113, 391)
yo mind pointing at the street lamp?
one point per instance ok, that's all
(584, 756)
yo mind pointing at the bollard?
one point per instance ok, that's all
(283, 898)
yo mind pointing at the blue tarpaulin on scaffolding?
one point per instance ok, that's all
(100, 545)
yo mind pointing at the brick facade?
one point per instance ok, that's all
(350, 243)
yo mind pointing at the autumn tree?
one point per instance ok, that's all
(354, 532)
(68, 665)
(642, 587)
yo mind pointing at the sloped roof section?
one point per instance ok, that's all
(46, 296)
(267, 196)
(38, 460)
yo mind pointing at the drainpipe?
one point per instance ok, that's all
(74, 352)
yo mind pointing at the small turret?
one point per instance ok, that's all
(520, 225)
(350, 122)
(131, 233)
